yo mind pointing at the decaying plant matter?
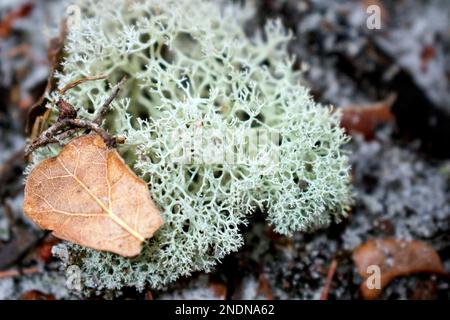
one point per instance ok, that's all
(394, 258)
(68, 123)
(88, 195)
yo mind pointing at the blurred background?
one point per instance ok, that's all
(390, 80)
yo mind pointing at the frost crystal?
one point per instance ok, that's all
(191, 68)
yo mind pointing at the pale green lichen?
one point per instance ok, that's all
(191, 66)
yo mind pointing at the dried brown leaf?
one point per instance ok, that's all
(36, 295)
(88, 195)
(394, 258)
(365, 119)
(219, 290)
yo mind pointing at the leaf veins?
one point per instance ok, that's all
(89, 196)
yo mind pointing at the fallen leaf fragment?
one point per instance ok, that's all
(365, 119)
(44, 250)
(219, 290)
(394, 258)
(89, 196)
(36, 295)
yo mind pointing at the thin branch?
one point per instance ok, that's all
(64, 129)
(330, 275)
(86, 124)
(67, 125)
(105, 106)
(18, 272)
(75, 83)
(46, 137)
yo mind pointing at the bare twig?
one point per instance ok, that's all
(75, 83)
(18, 272)
(105, 106)
(67, 123)
(90, 125)
(46, 137)
(330, 275)
(64, 135)
(66, 127)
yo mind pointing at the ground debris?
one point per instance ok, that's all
(394, 258)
